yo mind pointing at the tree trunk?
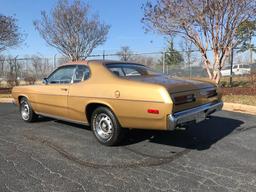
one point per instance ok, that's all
(250, 55)
(250, 49)
(207, 64)
(217, 76)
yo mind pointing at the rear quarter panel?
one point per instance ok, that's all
(130, 105)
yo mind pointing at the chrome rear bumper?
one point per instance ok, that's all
(196, 114)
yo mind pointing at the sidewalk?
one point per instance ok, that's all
(235, 107)
(6, 100)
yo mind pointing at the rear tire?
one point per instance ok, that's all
(106, 127)
(26, 111)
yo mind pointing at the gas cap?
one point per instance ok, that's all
(117, 94)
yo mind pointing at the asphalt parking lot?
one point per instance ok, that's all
(49, 155)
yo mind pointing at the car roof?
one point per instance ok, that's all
(99, 61)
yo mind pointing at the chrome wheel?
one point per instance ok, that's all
(25, 110)
(103, 126)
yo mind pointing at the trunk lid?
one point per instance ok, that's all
(174, 85)
(202, 92)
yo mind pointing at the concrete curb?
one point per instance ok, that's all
(6, 100)
(235, 107)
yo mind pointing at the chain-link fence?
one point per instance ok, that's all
(186, 64)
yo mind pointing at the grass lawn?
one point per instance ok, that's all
(242, 99)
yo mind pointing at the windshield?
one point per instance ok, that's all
(130, 70)
(245, 66)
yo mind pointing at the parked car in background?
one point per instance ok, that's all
(253, 68)
(112, 96)
(226, 71)
(240, 69)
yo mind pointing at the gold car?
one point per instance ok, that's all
(115, 96)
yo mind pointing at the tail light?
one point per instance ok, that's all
(209, 93)
(178, 100)
(153, 111)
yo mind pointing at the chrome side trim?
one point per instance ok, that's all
(112, 98)
(90, 97)
(63, 119)
(195, 114)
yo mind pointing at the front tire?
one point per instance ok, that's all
(26, 111)
(106, 127)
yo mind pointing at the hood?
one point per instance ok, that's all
(173, 85)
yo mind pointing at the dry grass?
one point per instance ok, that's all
(5, 96)
(242, 99)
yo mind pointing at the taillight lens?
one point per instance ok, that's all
(153, 111)
(209, 93)
(178, 100)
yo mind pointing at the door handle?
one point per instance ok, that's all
(64, 89)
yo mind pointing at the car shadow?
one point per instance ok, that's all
(199, 136)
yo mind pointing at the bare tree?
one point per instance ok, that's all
(142, 59)
(61, 61)
(188, 49)
(40, 67)
(2, 61)
(9, 33)
(14, 71)
(70, 30)
(208, 24)
(125, 54)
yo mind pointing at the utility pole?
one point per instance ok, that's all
(103, 55)
(54, 61)
(163, 62)
(231, 67)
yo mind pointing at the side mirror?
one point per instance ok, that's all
(45, 81)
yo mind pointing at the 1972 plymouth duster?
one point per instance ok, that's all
(113, 96)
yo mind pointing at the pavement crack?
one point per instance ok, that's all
(143, 163)
(58, 174)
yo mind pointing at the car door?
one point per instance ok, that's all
(52, 96)
(77, 99)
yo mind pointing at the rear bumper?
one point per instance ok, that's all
(196, 114)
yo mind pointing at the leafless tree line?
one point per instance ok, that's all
(13, 70)
(206, 23)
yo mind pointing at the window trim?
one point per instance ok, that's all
(72, 80)
(65, 66)
(83, 76)
(129, 63)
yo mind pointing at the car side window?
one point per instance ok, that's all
(117, 71)
(246, 66)
(63, 75)
(131, 71)
(81, 73)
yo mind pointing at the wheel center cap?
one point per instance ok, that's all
(104, 126)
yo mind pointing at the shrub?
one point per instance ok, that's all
(30, 80)
(12, 81)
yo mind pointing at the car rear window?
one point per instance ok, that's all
(129, 70)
